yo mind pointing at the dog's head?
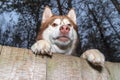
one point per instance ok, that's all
(59, 30)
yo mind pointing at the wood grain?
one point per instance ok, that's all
(73, 68)
(22, 64)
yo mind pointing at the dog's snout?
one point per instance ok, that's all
(64, 29)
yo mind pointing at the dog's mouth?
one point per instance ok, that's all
(63, 38)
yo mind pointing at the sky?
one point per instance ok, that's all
(8, 18)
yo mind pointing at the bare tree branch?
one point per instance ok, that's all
(117, 5)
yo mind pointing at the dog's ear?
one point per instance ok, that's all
(72, 15)
(46, 14)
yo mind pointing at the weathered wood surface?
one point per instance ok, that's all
(22, 64)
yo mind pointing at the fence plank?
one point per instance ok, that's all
(5, 63)
(0, 49)
(114, 69)
(22, 64)
(63, 67)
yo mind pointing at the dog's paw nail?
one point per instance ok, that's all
(41, 47)
(94, 56)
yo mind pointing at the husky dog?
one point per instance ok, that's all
(59, 34)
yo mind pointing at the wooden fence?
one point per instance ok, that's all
(22, 64)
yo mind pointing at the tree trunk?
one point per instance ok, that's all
(59, 7)
(69, 4)
(22, 64)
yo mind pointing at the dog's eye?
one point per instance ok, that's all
(54, 24)
(69, 24)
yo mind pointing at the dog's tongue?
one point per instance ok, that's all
(63, 39)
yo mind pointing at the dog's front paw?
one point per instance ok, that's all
(94, 56)
(41, 47)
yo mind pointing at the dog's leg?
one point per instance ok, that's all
(41, 47)
(94, 56)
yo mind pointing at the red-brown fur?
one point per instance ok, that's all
(50, 21)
